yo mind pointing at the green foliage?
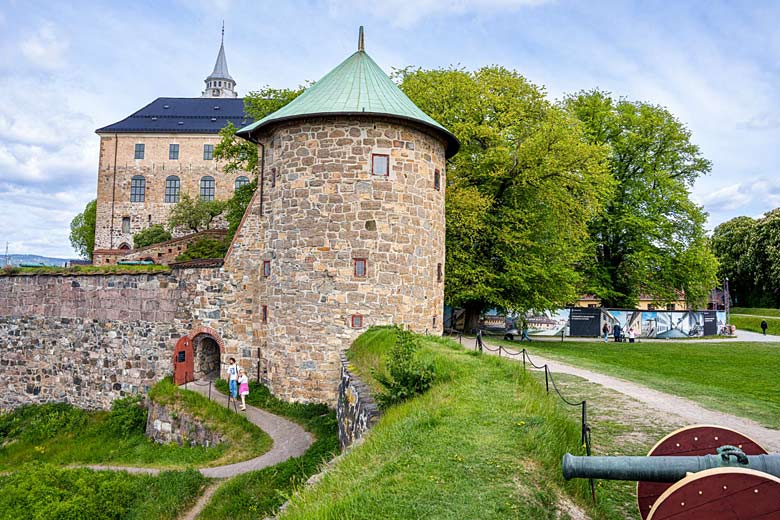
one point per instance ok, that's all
(749, 255)
(259, 493)
(82, 230)
(651, 238)
(40, 422)
(204, 248)
(406, 375)
(239, 154)
(236, 207)
(519, 193)
(87, 269)
(194, 214)
(154, 234)
(127, 417)
(45, 491)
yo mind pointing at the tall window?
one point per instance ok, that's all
(360, 267)
(264, 309)
(436, 180)
(439, 273)
(139, 150)
(137, 188)
(273, 177)
(172, 189)
(266, 268)
(208, 152)
(241, 181)
(125, 225)
(380, 164)
(207, 188)
(173, 152)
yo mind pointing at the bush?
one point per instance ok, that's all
(236, 207)
(204, 248)
(406, 376)
(38, 422)
(150, 236)
(127, 417)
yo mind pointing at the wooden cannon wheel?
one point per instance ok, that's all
(721, 494)
(696, 440)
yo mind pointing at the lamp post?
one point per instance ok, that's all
(727, 300)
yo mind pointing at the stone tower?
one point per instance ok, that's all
(219, 84)
(346, 228)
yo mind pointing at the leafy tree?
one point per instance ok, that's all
(236, 207)
(152, 235)
(204, 248)
(651, 237)
(520, 193)
(82, 230)
(194, 214)
(239, 154)
(764, 255)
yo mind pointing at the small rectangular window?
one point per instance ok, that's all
(265, 313)
(125, 224)
(651, 307)
(273, 177)
(380, 164)
(436, 180)
(208, 152)
(357, 321)
(361, 266)
(266, 268)
(670, 307)
(173, 152)
(439, 273)
(139, 150)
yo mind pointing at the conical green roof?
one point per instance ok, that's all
(356, 87)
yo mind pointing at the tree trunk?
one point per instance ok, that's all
(473, 313)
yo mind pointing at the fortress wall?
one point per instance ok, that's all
(324, 208)
(92, 338)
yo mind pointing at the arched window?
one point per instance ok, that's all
(172, 189)
(241, 181)
(207, 187)
(137, 188)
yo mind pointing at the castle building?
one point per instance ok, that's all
(150, 158)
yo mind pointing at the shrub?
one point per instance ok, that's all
(151, 235)
(236, 207)
(406, 376)
(127, 417)
(204, 248)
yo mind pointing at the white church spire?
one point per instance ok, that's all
(219, 84)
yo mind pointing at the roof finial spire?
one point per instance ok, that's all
(361, 43)
(223, 32)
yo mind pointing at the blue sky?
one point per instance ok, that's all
(67, 68)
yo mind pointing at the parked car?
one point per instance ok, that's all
(507, 331)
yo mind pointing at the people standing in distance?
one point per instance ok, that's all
(605, 331)
(232, 371)
(616, 332)
(243, 388)
(631, 335)
(764, 326)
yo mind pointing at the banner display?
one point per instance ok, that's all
(585, 322)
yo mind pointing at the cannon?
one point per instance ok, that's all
(699, 472)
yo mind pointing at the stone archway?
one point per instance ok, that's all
(207, 357)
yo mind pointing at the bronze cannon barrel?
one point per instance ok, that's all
(660, 469)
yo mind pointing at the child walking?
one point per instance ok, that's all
(232, 371)
(243, 388)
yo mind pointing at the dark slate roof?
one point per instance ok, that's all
(183, 115)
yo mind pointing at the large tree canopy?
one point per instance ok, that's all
(82, 230)
(520, 192)
(749, 255)
(651, 238)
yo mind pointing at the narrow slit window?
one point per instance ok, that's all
(273, 177)
(266, 268)
(439, 273)
(173, 152)
(265, 313)
(437, 180)
(380, 164)
(139, 150)
(361, 267)
(138, 188)
(357, 321)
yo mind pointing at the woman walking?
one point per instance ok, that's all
(243, 388)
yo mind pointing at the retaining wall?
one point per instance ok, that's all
(356, 411)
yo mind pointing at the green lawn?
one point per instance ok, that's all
(753, 323)
(44, 491)
(735, 377)
(756, 311)
(62, 434)
(485, 442)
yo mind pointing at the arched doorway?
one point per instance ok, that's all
(206, 354)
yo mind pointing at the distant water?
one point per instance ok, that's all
(18, 259)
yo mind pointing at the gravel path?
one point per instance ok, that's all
(687, 410)
(289, 440)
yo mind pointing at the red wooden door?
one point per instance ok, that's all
(183, 362)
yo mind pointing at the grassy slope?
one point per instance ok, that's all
(87, 269)
(43, 491)
(736, 377)
(485, 442)
(91, 441)
(257, 494)
(756, 311)
(753, 323)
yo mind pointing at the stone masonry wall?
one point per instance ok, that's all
(169, 425)
(322, 208)
(356, 411)
(117, 166)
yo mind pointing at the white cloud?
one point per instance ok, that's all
(47, 48)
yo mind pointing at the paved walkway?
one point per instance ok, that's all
(686, 409)
(289, 440)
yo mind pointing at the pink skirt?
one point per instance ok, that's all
(243, 389)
